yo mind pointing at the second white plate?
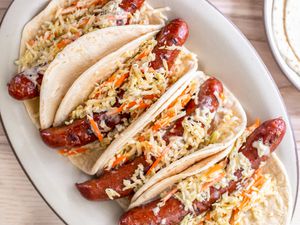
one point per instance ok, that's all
(290, 74)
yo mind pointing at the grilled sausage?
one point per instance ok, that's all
(175, 33)
(271, 132)
(79, 133)
(131, 5)
(95, 189)
(23, 87)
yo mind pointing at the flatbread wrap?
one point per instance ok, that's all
(65, 39)
(244, 184)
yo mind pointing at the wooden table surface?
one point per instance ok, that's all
(21, 204)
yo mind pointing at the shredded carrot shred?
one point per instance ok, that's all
(77, 35)
(111, 78)
(233, 216)
(118, 83)
(68, 152)
(158, 160)
(159, 124)
(142, 55)
(255, 125)
(63, 43)
(173, 103)
(75, 3)
(130, 104)
(115, 111)
(163, 122)
(207, 216)
(186, 100)
(169, 195)
(156, 127)
(208, 184)
(143, 105)
(119, 160)
(150, 96)
(120, 109)
(222, 96)
(171, 113)
(141, 138)
(121, 80)
(83, 22)
(215, 168)
(177, 99)
(95, 128)
(31, 42)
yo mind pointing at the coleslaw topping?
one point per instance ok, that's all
(159, 152)
(244, 206)
(129, 91)
(249, 197)
(74, 19)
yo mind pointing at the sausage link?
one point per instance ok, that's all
(174, 33)
(95, 189)
(78, 133)
(131, 5)
(271, 132)
(172, 212)
(21, 87)
(206, 99)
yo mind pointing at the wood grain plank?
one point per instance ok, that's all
(19, 201)
(2, 11)
(4, 4)
(251, 9)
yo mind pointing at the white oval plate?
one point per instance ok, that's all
(223, 51)
(290, 74)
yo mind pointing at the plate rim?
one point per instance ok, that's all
(257, 57)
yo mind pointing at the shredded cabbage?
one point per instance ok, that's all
(72, 21)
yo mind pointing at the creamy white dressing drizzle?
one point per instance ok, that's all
(262, 149)
(32, 74)
(111, 193)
